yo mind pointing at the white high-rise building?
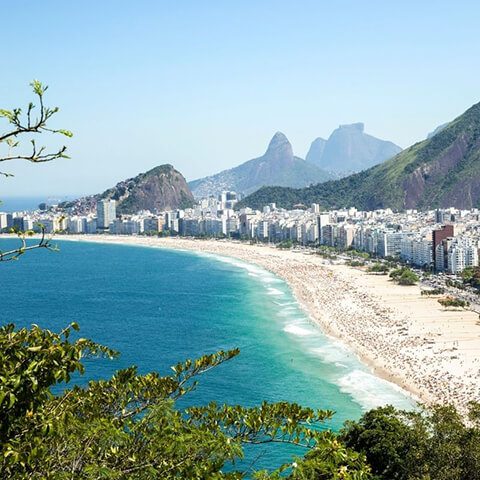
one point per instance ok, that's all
(106, 213)
(462, 253)
(3, 220)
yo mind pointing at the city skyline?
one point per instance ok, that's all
(425, 239)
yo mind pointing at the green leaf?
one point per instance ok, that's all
(67, 133)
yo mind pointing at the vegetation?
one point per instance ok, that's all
(404, 276)
(285, 245)
(471, 276)
(430, 445)
(358, 254)
(130, 426)
(378, 268)
(450, 301)
(434, 291)
(455, 284)
(327, 252)
(355, 263)
(32, 122)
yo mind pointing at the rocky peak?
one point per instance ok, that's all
(353, 127)
(277, 166)
(315, 152)
(161, 188)
(279, 146)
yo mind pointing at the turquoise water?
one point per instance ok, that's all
(158, 307)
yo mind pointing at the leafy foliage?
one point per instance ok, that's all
(285, 245)
(431, 445)
(404, 276)
(378, 268)
(130, 426)
(471, 276)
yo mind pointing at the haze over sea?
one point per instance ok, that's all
(158, 307)
(18, 204)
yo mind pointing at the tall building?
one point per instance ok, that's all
(3, 221)
(438, 235)
(106, 213)
(323, 219)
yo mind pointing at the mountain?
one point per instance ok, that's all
(316, 150)
(437, 130)
(161, 188)
(442, 171)
(278, 166)
(349, 149)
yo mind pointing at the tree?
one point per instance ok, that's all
(393, 442)
(404, 276)
(378, 267)
(471, 276)
(433, 444)
(130, 425)
(29, 124)
(285, 245)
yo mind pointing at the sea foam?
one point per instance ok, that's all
(296, 329)
(370, 391)
(274, 291)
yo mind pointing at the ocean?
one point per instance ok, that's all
(158, 307)
(20, 204)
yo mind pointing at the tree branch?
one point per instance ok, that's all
(33, 126)
(45, 242)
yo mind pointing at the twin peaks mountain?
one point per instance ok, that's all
(161, 188)
(347, 150)
(441, 171)
(277, 166)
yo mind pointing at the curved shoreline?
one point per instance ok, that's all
(392, 329)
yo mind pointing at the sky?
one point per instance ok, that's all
(204, 84)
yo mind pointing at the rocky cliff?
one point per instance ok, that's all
(161, 188)
(349, 150)
(278, 166)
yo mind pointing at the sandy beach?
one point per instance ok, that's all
(405, 338)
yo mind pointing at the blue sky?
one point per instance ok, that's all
(204, 85)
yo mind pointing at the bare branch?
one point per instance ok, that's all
(45, 242)
(37, 157)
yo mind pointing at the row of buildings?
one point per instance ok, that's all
(442, 240)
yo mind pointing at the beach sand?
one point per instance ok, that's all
(405, 338)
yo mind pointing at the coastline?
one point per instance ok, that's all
(404, 338)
